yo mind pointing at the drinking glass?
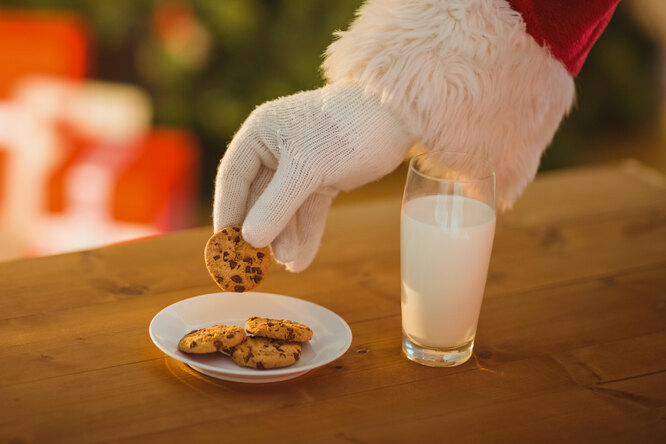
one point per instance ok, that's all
(447, 226)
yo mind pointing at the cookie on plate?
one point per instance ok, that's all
(234, 264)
(264, 353)
(211, 339)
(281, 329)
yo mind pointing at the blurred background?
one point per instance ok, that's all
(114, 115)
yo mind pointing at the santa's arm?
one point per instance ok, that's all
(489, 77)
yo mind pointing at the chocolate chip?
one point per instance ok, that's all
(236, 229)
(218, 344)
(248, 270)
(237, 279)
(260, 254)
(216, 257)
(233, 264)
(219, 279)
(257, 270)
(239, 288)
(231, 335)
(297, 356)
(193, 344)
(260, 366)
(270, 324)
(257, 279)
(249, 260)
(225, 232)
(224, 255)
(237, 239)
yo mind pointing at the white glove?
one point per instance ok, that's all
(293, 155)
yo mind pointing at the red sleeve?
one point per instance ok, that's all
(569, 28)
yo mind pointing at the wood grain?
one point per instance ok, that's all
(571, 344)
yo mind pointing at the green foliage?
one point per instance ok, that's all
(257, 51)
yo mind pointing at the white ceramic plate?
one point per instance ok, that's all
(331, 334)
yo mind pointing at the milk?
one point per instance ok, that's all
(445, 245)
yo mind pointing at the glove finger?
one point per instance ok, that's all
(258, 186)
(311, 221)
(278, 204)
(285, 245)
(236, 173)
(288, 243)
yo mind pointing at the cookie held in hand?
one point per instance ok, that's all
(265, 353)
(212, 339)
(281, 329)
(234, 264)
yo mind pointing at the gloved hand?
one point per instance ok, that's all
(293, 155)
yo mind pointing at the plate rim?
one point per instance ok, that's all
(242, 371)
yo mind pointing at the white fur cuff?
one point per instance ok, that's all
(462, 75)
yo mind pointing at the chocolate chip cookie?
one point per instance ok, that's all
(281, 329)
(264, 353)
(211, 339)
(234, 264)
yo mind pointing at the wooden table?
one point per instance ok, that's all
(571, 345)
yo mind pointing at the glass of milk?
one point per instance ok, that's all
(447, 228)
